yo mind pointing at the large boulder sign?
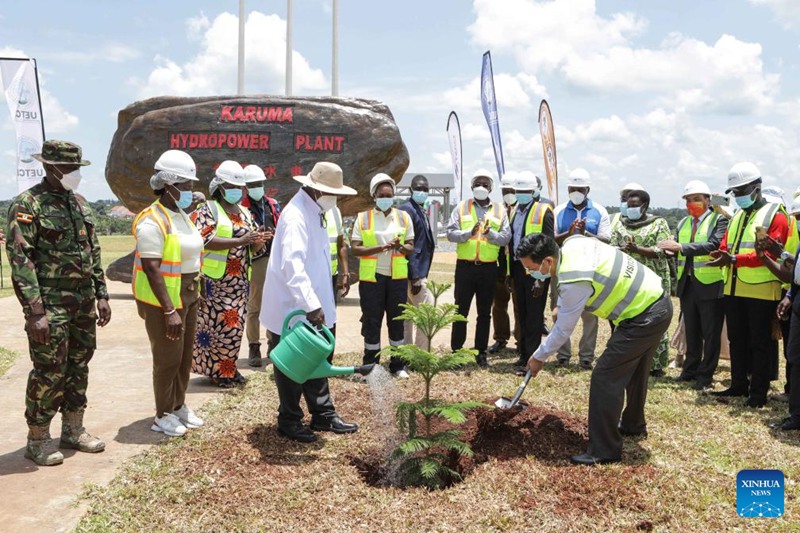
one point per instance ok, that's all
(284, 136)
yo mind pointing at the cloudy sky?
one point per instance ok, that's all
(657, 92)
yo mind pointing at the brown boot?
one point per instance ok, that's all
(74, 435)
(254, 357)
(41, 449)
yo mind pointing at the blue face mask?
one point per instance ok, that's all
(634, 213)
(256, 193)
(384, 204)
(524, 198)
(623, 208)
(538, 275)
(233, 196)
(745, 201)
(184, 200)
(419, 197)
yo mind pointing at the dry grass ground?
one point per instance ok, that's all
(237, 474)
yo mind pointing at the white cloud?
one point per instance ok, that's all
(597, 54)
(787, 11)
(213, 69)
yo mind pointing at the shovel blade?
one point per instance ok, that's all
(503, 403)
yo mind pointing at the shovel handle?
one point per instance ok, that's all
(521, 389)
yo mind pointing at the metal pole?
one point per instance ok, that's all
(39, 96)
(335, 48)
(240, 81)
(288, 47)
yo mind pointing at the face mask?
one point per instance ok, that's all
(623, 208)
(480, 193)
(510, 198)
(71, 180)
(326, 202)
(634, 213)
(537, 193)
(524, 198)
(419, 197)
(576, 197)
(384, 204)
(695, 209)
(184, 199)
(232, 196)
(538, 275)
(256, 193)
(745, 201)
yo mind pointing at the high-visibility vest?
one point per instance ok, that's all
(704, 274)
(333, 222)
(623, 287)
(478, 247)
(747, 243)
(533, 224)
(170, 259)
(793, 240)
(215, 261)
(368, 266)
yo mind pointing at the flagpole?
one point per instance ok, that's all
(240, 81)
(39, 94)
(288, 47)
(335, 48)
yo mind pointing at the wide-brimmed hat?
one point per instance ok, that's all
(61, 153)
(326, 177)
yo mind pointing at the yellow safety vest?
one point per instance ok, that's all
(368, 266)
(704, 274)
(793, 240)
(170, 259)
(215, 261)
(623, 287)
(333, 222)
(533, 224)
(747, 244)
(478, 247)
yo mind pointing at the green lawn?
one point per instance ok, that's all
(7, 358)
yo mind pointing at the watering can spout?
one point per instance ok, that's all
(365, 369)
(327, 370)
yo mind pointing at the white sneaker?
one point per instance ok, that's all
(187, 417)
(169, 424)
(401, 374)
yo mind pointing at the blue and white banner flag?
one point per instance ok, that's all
(454, 137)
(489, 105)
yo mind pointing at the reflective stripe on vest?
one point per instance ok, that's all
(334, 228)
(478, 248)
(215, 261)
(170, 260)
(533, 224)
(702, 273)
(763, 217)
(623, 288)
(368, 266)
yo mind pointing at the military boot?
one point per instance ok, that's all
(254, 357)
(74, 435)
(41, 449)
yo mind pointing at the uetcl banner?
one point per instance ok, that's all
(454, 137)
(549, 149)
(489, 105)
(21, 89)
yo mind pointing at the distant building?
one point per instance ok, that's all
(120, 211)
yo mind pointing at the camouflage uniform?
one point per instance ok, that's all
(55, 262)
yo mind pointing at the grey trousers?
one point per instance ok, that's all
(623, 370)
(588, 342)
(258, 275)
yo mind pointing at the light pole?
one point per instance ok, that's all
(335, 47)
(288, 47)
(240, 77)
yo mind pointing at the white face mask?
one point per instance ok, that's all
(510, 198)
(480, 193)
(326, 202)
(576, 197)
(71, 180)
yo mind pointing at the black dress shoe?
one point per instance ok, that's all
(254, 355)
(683, 378)
(755, 402)
(334, 424)
(591, 460)
(585, 365)
(562, 362)
(790, 424)
(635, 434)
(729, 393)
(481, 361)
(298, 433)
(657, 373)
(702, 384)
(497, 346)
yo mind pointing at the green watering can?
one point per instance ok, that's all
(303, 352)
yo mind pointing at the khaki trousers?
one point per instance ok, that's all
(258, 275)
(172, 359)
(424, 296)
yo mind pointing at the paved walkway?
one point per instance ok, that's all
(120, 412)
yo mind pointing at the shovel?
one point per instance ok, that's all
(505, 403)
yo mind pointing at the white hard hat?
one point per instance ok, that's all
(230, 172)
(377, 180)
(773, 194)
(178, 163)
(579, 178)
(253, 174)
(509, 180)
(482, 173)
(632, 186)
(795, 207)
(526, 181)
(696, 187)
(742, 174)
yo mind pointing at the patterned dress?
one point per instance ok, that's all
(220, 318)
(647, 234)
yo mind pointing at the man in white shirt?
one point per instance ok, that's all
(299, 277)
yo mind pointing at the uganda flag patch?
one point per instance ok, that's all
(25, 218)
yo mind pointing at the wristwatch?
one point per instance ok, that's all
(784, 256)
